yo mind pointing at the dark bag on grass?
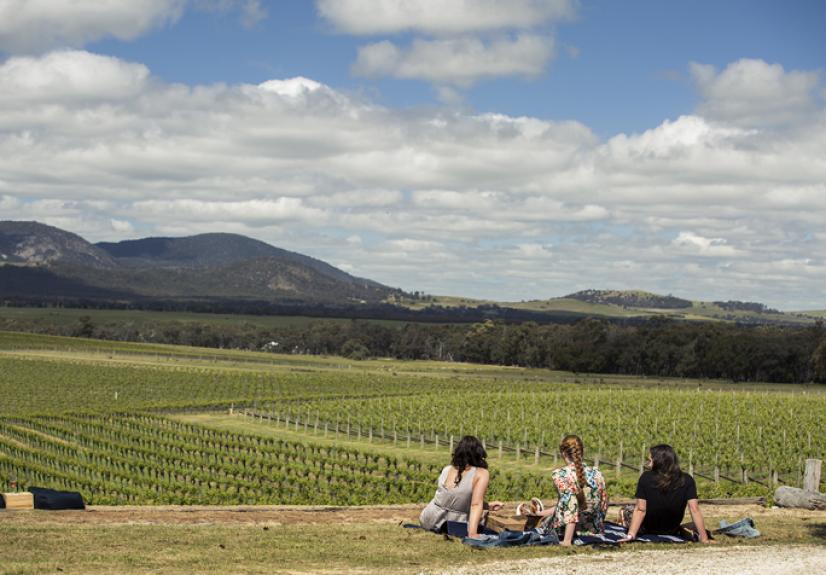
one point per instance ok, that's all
(56, 500)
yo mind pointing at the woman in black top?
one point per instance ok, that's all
(662, 496)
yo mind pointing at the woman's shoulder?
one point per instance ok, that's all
(593, 472)
(481, 471)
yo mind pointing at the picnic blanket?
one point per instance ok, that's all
(538, 536)
(614, 533)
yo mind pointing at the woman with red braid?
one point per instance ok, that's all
(583, 501)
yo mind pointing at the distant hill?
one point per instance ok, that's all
(232, 272)
(36, 259)
(35, 244)
(631, 298)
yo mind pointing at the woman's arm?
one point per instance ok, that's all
(699, 522)
(477, 501)
(636, 519)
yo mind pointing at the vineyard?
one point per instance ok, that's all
(102, 419)
(145, 459)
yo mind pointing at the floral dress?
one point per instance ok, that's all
(589, 520)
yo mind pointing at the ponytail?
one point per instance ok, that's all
(572, 448)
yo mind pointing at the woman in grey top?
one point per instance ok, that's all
(460, 493)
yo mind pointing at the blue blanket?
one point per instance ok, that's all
(613, 534)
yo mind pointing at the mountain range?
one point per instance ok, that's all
(41, 263)
(41, 260)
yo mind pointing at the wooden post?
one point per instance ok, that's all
(500, 449)
(536, 455)
(421, 440)
(811, 477)
(596, 461)
(619, 461)
(518, 451)
(642, 459)
(436, 440)
(451, 444)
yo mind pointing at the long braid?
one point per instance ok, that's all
(572, 447)
(576, 455)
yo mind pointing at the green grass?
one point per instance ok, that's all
(34, 544)
(68, 316)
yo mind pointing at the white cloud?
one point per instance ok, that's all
(63, 77)
(281, 209)
(122, 226)
(712, 247)
(457, 61)
(32, 26)
(371, 17)
(695, 202)
(755, 93)
(533, 251)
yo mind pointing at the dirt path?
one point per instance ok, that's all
(303, 514)
(774, 560)
(204, 514)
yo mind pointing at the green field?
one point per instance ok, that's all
(143, 424)
(66, 316)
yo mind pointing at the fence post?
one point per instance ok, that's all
(451, 444)
(642, 459)
(500, 449)
(536, 455)
(619, 461)
(518, 451)
(811, 478)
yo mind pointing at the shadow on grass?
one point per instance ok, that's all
(818, 531)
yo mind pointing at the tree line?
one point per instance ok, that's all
(656, 347)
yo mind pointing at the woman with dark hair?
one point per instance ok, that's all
(663, 493)
(583, 500)
(460, 493)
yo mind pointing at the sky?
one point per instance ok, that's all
(499, 149)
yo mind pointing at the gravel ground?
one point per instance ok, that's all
(774, 560)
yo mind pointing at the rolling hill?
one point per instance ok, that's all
(36, 259)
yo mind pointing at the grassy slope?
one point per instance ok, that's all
(367, 547)
(700, 311)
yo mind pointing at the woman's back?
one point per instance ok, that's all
(591, 516)
(451, 502)
(665, 507)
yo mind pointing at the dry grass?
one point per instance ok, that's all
(298, 540)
